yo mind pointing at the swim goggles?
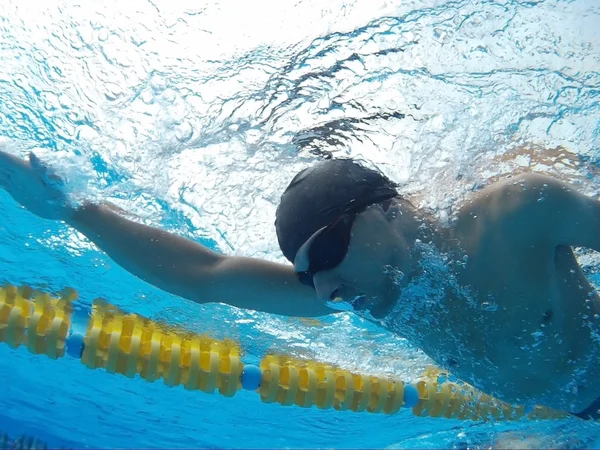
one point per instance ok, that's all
(326, 248)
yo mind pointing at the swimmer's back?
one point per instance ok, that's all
(518, 235)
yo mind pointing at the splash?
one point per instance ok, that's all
(425, 296)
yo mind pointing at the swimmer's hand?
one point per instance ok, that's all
(33, 184)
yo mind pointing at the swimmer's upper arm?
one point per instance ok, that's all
(260, 285)
(556, 212)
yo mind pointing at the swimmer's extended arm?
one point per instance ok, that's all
(190, 270)
(170, 262)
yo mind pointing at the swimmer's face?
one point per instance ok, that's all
(367, 275)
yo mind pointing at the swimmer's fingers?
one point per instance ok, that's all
(46, 173)
(32, 184)
(10, 166)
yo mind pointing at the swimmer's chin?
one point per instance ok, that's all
(382, 308)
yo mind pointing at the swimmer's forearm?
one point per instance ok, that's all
(170, 262)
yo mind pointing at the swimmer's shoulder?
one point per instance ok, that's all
(509, 206)
(532, 209)
(502, 197)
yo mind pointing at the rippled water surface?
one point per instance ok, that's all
(195, 115)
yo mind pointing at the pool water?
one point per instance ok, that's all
(195, 116)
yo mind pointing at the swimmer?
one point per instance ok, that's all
(355, 243)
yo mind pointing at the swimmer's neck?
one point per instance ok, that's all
(411, 226)
(416, 225)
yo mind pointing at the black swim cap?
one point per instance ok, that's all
(320, 194)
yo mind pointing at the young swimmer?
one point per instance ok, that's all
(495, 296)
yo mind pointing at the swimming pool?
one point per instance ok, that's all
(196, 118)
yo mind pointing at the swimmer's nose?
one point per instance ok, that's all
(326, 285)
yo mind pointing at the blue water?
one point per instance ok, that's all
(195, 116)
